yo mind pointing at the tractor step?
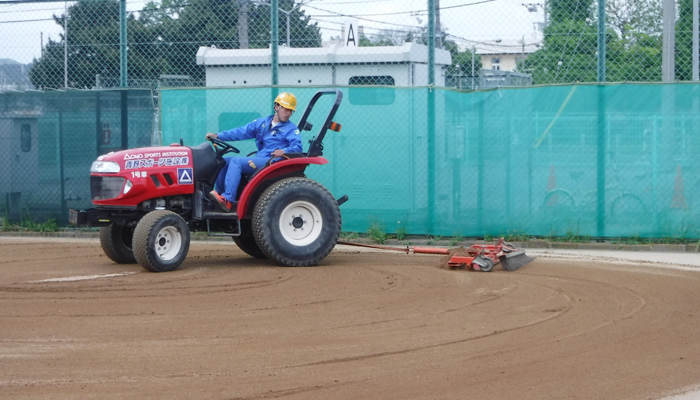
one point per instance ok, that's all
(219, 215)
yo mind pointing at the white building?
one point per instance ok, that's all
(505, 55)
(405, 65)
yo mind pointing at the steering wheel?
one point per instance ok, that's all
(225, 147)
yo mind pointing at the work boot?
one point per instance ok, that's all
(226, 205)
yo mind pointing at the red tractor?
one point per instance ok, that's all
(148, 200)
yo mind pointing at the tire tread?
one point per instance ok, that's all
(258, 222)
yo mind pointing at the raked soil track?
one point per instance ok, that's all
(369, 325)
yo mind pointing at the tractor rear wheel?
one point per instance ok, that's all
(161, 241)
(246, 241)
(296, 222)
(116, 241)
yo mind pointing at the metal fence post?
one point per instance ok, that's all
(65, 46)
(668, 62)
(274, 22)
(602, 123)
(696, 42)
(123, 62)
(601, 40)
(431, 116)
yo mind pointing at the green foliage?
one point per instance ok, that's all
(632, 240)
(684, 41)
(30, 225)
(462, 61)
(377, 233)
(401, 233)
(163, 39)
(349, 235)
(456, 239)
(569, 54)
(515, 236)
(376, 41)
(569, 10)
(571, 237)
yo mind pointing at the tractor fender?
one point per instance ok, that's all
(277, 169)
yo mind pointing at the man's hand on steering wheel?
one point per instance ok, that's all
(278, 153)
(225, 147)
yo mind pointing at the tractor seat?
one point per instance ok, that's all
(204, 160)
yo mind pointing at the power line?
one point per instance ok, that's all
(398, 12)
(355, 2)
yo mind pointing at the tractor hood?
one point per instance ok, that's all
(129, 177)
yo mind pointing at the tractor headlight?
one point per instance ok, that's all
(127, 186)
(105, 167)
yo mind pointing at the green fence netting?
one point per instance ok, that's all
(48, 140)
(602, 161)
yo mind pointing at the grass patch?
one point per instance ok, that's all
(376, 233)
(30, 225)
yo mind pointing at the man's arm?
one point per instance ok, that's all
(241, 133)
(294, 139)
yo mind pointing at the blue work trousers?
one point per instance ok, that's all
(230, 176)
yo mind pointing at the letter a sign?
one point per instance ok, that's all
(351, 35)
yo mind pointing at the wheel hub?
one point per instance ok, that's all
(168, 243)
(297, 222)
(301, 223)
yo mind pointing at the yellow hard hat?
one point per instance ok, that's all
(287, 100)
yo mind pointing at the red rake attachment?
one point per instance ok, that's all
(480, 257)
(484, 257)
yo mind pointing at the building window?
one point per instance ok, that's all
(496, 63)
(26, 138)
(371, 96)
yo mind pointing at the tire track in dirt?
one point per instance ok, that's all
(362, 324)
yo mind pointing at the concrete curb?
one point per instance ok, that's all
(531, 244)
(541, 244)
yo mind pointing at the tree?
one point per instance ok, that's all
(568, 55)
(633, 19)
(462, 62)
(377, 40)
(92, 49)
(163, 40)
(387, 37)
(569, 10)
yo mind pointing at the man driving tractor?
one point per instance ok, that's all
(274, 136)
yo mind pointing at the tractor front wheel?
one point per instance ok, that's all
(116, 241)
(161, 241)
(296, 222)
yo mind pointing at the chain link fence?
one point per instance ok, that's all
(49, 140)
(51, 45)
(210, 65)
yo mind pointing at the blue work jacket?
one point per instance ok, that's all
(284, 136)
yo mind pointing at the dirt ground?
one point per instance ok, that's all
(371, 325)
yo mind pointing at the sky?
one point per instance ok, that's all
(24, 27)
